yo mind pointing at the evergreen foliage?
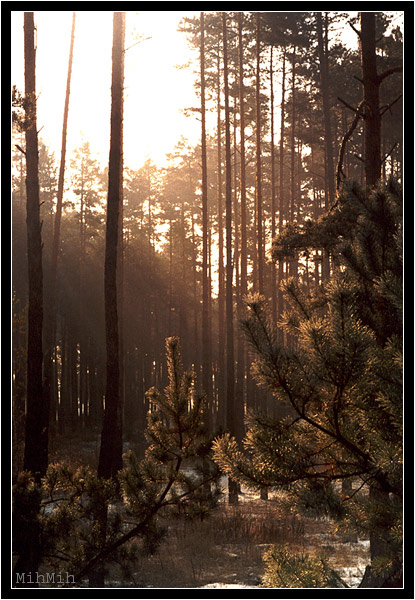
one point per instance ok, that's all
(168, 481)
(342, 380)
(287, 570)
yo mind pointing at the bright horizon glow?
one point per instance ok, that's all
(155, 91)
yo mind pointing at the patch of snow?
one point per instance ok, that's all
(227, 586)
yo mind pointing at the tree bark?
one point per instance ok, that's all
(37, 406)
(324, 87)
(281, 204)
(244, 275)
(221, 416)
(37, 413)
(260, 240)
(273, 198)
(206, 351)
(230, 367)
(243, 237)
(50, 321)
(371, 83)
(110, 459)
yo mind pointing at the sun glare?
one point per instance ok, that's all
(155, 91)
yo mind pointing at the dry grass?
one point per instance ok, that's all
(227, 547)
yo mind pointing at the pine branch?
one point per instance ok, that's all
(391, 71)
(21, 149)
(389, 106)
(346, 138)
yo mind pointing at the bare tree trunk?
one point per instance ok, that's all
(281, 206)
(110, 459)
(206, 350)
(221, 416)
(293, 264)
(230, 367)
(37, 407)
(243, 288)
(260, 240)
(372, 118)
(324, 83)
(273, 198)
(50, 320)
(243, 160)
(37, 413)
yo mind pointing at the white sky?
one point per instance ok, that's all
(154, 90)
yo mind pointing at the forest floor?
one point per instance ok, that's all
(226, 550)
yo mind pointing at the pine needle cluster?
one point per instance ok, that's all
(339, 452)
(174, 479)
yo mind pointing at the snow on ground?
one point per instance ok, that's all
(227, 586)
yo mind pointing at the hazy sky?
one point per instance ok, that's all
(154, 90)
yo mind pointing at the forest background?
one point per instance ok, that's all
(197, 231)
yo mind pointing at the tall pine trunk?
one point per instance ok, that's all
(243, 237)
(28, 542)
(206, 350)
(221, 416)
(371, 83)
(373, 169)
(324, 88)
(281, 203)
(230, 367)
(273, 198)
(259, 218)
(293, 264)
(244, 254)
(50, 320)
(110, 459)
(37, 402)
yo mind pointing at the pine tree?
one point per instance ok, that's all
(37, 403)
(110, 460)
(342, 382)
(169, 482)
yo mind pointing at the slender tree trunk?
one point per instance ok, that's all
(37, 403)
(324, 87)
(239, 384)
(110, 459)
(372, 119)
(120, 289)
(293, 119)
(195, 302)
(50, 320)
(206, 353)
(293, 264)
(221, 416)
(37, 413)
(273, 198)
(260, 240)
(244, 275)
(243, 288)
(230, 367)
(260, 234)
(373, 167)
(281, 207)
